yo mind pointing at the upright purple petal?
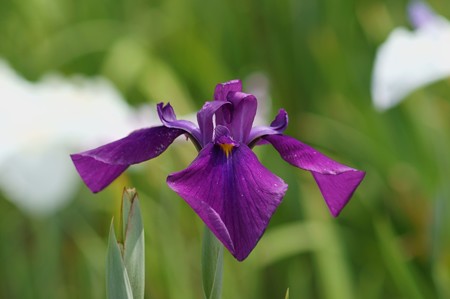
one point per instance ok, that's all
(221, 94)
(99, 167)
(336, 181)
(232, 193)
(223, 89)
(205, 120)
(278, 125)
(169, 119)
(244, 111)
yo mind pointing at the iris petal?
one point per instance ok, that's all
(169, 119)
(222, 89)
(221, 94)
(244, 111)
(420, 14)
(338, 189)
(278, 125)
(234, 195)
(409, 60)
(99, 167)
(336, 181)
(96, 174)
(205, 120)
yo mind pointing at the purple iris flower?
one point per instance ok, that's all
(226, 185)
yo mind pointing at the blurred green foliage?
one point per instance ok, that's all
(391, 241)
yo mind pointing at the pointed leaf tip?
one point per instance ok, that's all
(126, 259)
(117, 282)
(128, 196)
(134, 245)
(287, 294)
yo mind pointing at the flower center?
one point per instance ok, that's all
(226, 148)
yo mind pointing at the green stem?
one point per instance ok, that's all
(212, 265)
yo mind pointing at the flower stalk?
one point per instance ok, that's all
(212, 265)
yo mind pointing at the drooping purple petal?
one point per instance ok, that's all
(169, 119)
(96, 174)
(99, 167)
(233, 194)
(336, 181)
(277, 126)
(338, 189)
(205, 120)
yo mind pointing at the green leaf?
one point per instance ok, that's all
(212, 265)
(287, 294)
(127, 199)
(134, 249)
(117, 282)
(402, 273)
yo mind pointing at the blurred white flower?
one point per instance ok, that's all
(409, 60)
(42, 123)
(258, 84)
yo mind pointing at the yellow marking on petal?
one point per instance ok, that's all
(227, 148)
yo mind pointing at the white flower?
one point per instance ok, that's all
(258, 84)
(409, 60)
(42, 123)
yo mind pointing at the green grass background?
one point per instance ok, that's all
(391, 241)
